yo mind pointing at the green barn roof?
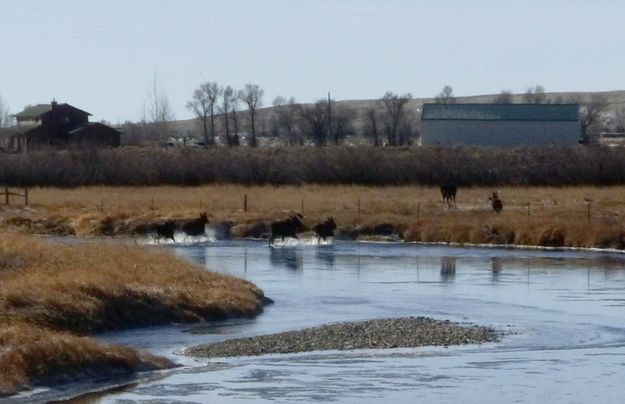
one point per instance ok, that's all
(500, 112)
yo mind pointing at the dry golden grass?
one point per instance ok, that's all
(50, 291)
(32, 355)
(557, 216)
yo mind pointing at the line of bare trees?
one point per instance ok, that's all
(211, 99)
(290, 123)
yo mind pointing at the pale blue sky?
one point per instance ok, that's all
(102, 56)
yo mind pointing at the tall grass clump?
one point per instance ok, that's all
(475, 166)
(51, 295)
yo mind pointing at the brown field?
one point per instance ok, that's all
(52, 294)
(568, 216)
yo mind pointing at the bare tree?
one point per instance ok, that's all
(286, 116)
(591, 109)
(342, 123)
(203, 104)
(252, 96)
(446, 96)
(372, 125)
(407, 130)
(505, 97)
(316, 118)
(159, 112)
(394, 113)
(535, 95)
(226, 96)
(6, 120)
(619, 120)
(234, 108)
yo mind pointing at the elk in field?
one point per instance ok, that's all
(286, 228)
(195, 227)
(165, 230)
(496, 202)
(325, 229)
(449, 193)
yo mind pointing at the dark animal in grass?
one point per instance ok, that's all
(325, 229)
(449, 193)
(286, 228)
(166, 230)
(496, 202)
(195, 227)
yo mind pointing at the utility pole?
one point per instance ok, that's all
(330, 118)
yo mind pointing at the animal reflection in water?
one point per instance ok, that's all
(286, 228)
(495, 266)
(288, 257)
(325, 255)
(448, 268)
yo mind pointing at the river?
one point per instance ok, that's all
(561, 312)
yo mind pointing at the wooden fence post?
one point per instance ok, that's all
(358, 207)
(588, 206)
(245, 203)
(418, 211)
(302, 206)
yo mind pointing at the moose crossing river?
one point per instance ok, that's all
(562, 314)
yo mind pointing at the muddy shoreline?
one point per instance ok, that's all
(373, 334)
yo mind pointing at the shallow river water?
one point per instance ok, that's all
(562, 314)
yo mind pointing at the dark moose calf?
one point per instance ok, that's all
(286, 228)
(325, 229)
(166, 230)
(449, 193)
(195, 227)
(496, 202)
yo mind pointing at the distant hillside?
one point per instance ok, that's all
(615, 99)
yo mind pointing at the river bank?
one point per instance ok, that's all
(578, 217)
(53, 296)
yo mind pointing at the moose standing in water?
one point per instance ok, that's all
(286, 228)
(496, 202)
(166, 230)
(449, 194)
(196, 227)
(325, 229)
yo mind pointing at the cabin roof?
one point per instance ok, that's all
(36, 111)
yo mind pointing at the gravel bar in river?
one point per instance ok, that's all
(372, 334)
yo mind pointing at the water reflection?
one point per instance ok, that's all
(495, 263)
(287, 257)
(448, 269)
(325, 256)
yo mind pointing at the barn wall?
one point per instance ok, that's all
(499, 133)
